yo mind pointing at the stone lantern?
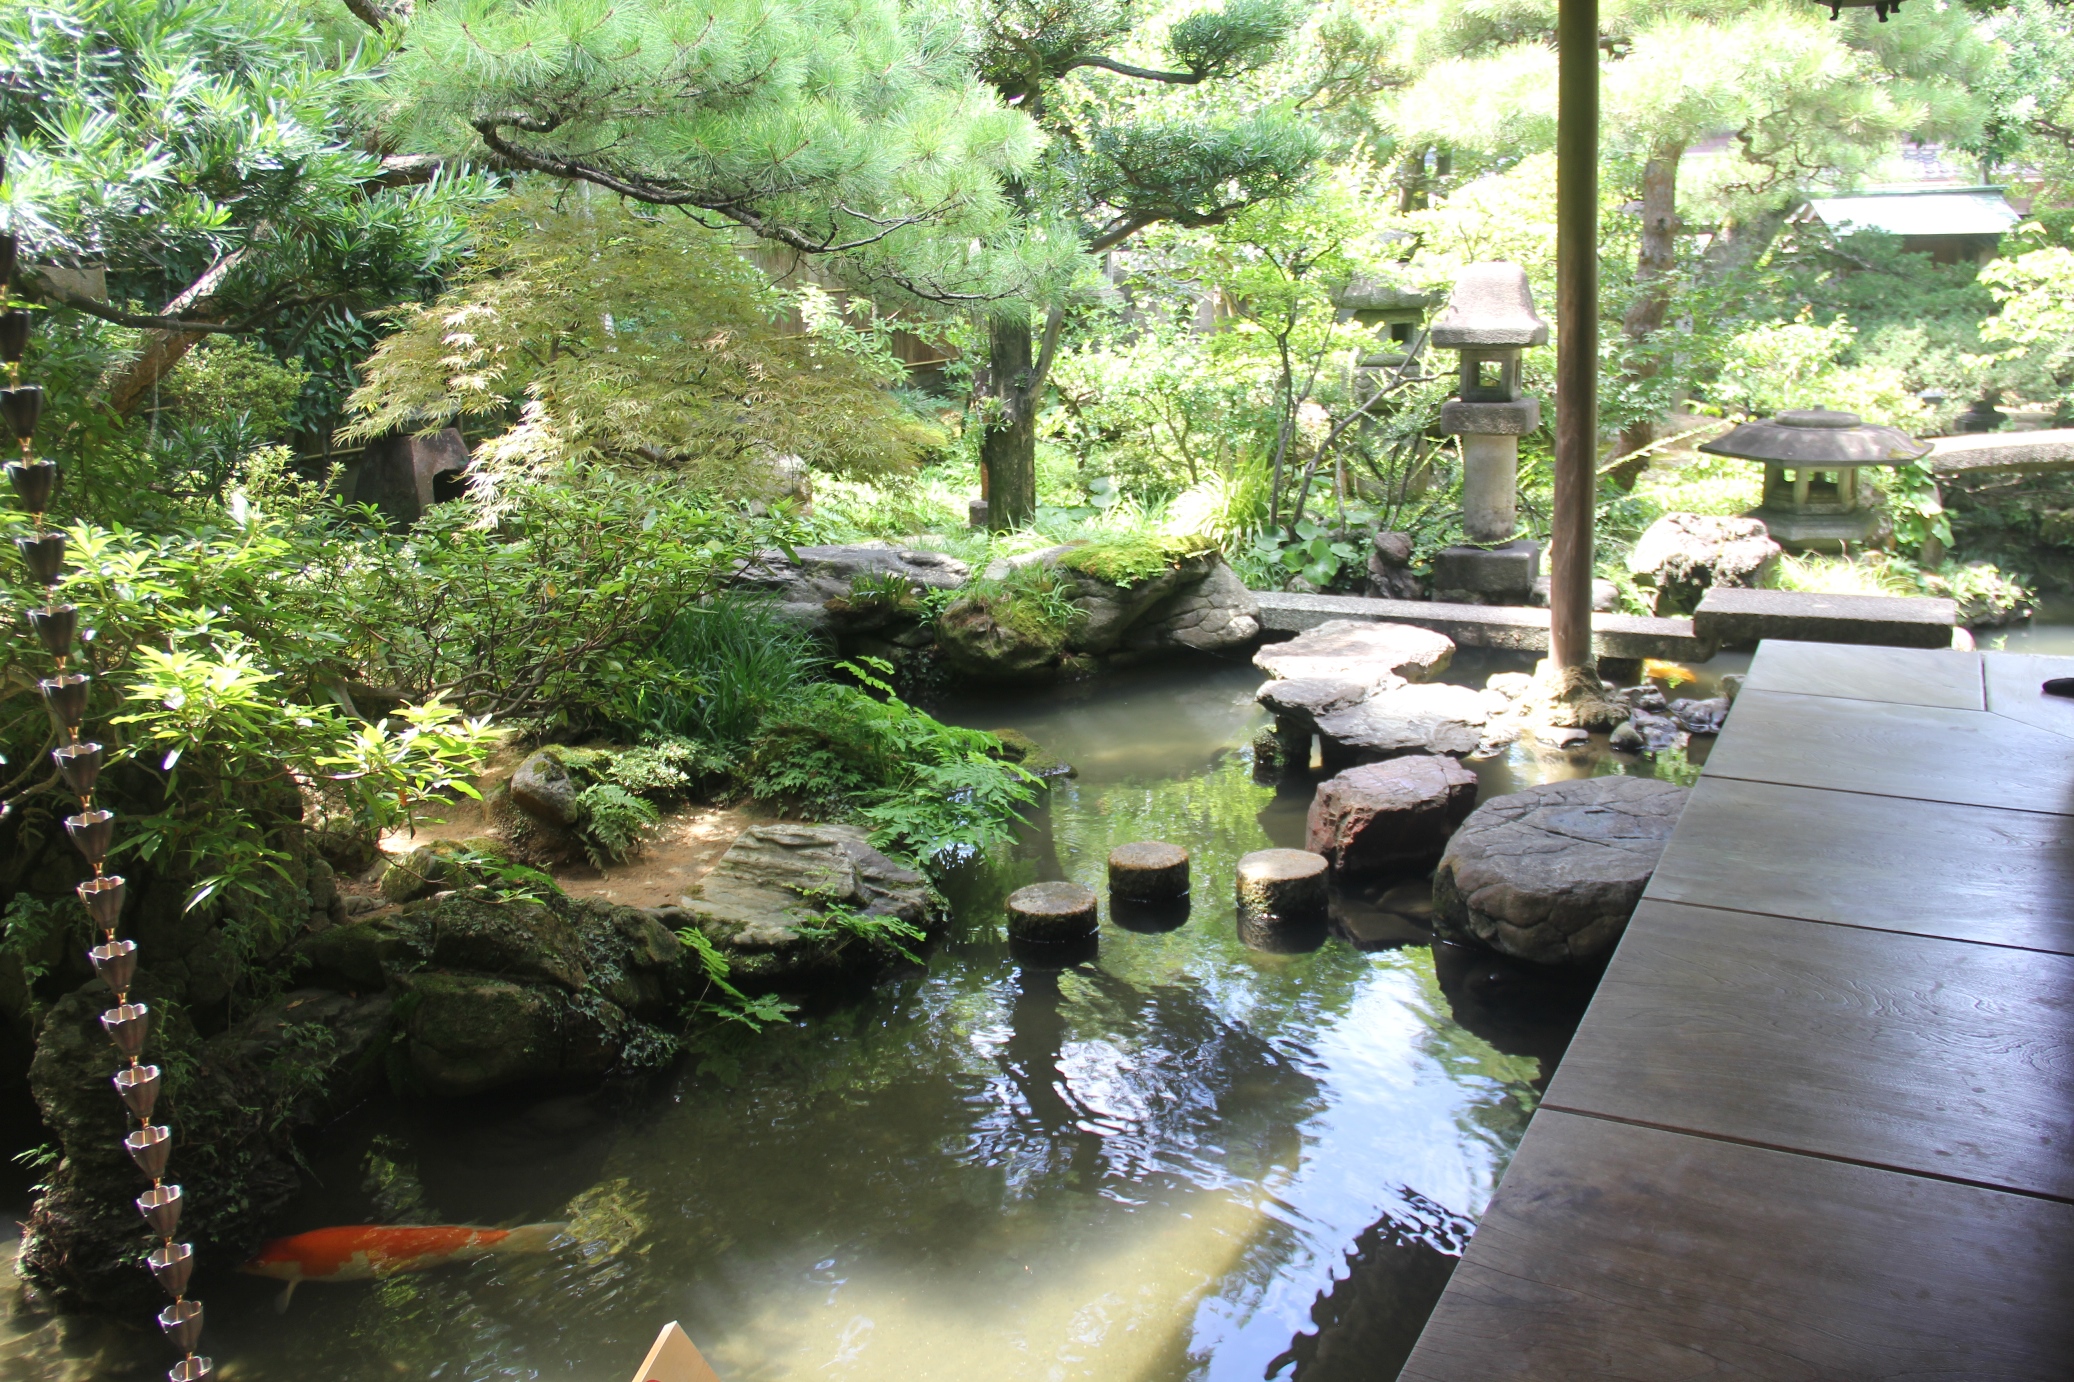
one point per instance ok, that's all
(1490, 321)
(1812, 498)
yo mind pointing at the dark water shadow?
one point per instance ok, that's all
(1279, 937)
(1370, 1319)
(1149, 918)
(1521, 1009)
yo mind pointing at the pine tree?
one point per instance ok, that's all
(1124, 153)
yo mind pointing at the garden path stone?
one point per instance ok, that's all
(1389, 817)
(1433, 718)
(1360, 651)
(1551, 874)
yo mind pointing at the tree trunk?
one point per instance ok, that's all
(1740, 243)
(164, 349)
(1008, 443)
(1654, 265)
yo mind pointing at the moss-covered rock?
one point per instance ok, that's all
(519, 940)
(772, 903)
(435, 867)
(472, 1033)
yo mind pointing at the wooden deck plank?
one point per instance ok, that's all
(1965, 756)
(1904, 676)
(1910, 1052)
(1964, 872)
(1618, 1252)
(2013, 682)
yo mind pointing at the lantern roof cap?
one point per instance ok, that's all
(1818, 437)
(1490, 306)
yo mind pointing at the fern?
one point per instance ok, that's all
(614, 824)
(755, 1012)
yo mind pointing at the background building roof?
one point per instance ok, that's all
(1944, 211)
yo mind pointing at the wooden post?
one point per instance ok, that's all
(1577, 333)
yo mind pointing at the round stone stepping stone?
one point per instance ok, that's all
(1552, 874)
(1148, 871)
(1281, 885)
(1052, 913)
(1390, 817)
(1439, 718)
(1358, 651)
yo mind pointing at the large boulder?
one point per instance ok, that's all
(1358, 651)
(472, 1033)
(1215, 614)
(1389, 817)
(1551, 874)
(766, 906)
(1682, 555)
(519, 940)
(543, 788)
(804, 588)
(1437, 718)
(1192, 602)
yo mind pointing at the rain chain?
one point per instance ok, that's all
(93, 832)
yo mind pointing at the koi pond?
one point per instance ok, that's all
(1170, 1157)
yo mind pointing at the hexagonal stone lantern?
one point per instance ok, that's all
(1490, 321)
(1813, 501)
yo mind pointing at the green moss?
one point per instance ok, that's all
(1129, 560)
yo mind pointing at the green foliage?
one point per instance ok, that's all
(34, 934)
(844, 127)
(733, 662)
(1033, 600)
(621, 334)
(613, 823)
(887, 937)
(926, 788)
(732, 1005)
(1128, 560)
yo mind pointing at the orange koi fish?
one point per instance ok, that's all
(364, 1252)
(1656, 669)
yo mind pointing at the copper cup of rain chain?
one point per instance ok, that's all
(138, 1087)
(182, 1321)
(128, 1026)
(80, 764)
(116, 963)
(66, 697)
(56, 626)
(192, 1368)
(93, 832)
(103, 899)
(14, 334)
(150, 1146)
(44, 555)
(172, 1264)
(33, 483)
(22, 407)
(161, 1206)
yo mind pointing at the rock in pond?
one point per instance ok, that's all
(1643, 732)
(1551, 874)
(1052, 914)
(765, 905)
(1358, 651)
(1390, 817)
(1281, 885)
(1148, 871)
(1437, 718)
(1701, 716)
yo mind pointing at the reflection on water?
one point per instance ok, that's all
(1175, 1157)
(2049, 634)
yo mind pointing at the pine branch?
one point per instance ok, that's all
(1143, 74)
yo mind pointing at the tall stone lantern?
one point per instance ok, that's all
(1490, 322)
(1811, 459)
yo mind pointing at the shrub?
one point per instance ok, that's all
(731, 662)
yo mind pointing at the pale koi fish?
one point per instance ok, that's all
(365, 1252)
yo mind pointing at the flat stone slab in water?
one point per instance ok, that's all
(1552, 874)
(1356, 651)
(1281, 885)
(1437, 718)
(1052, 913)
(1389, 817)
(1306, 698)
(1148, 871)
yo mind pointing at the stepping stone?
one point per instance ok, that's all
(1552, 874)
(1149, 871)
(1358, 651)
(1286, 885)
(1303, 700)
(1052, 913)
(1390, 817)
(1439, 718)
